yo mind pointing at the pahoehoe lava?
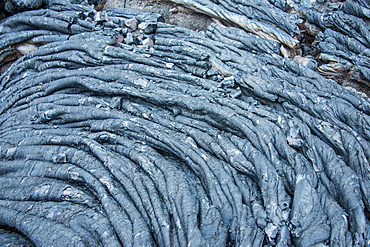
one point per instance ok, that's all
(118, 129)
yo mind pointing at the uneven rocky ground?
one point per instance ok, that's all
(180, 15)
(172, 13)
(119, 129)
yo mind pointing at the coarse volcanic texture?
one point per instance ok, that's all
(117, 129)
(172, 13)
(329, 36)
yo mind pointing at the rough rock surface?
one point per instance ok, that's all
(193, 139)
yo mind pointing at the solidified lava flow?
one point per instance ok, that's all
(117, 129)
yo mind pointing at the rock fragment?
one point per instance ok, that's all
(148, 28)
(101, 16)
(148, 43)
(132, 23)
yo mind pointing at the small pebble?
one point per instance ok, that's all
(101, 17)
(148, 43)
(148, 28)
(131, 40)
(132, 23)
(119, 39)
